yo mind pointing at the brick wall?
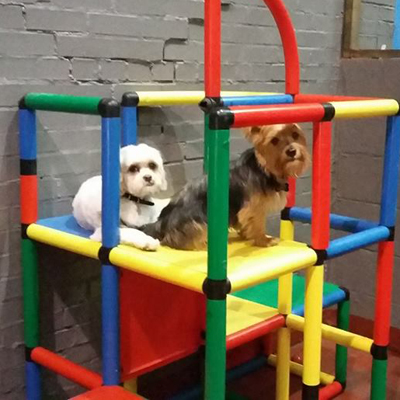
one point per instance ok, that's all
(107, 47)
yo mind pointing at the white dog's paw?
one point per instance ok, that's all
(96, 236)
(139, 239)
(149, 244)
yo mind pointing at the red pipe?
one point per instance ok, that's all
(67, 369)
(276, 114)
(289, 43)
(321, 185)
(29, 198)
(384, 281)
(291, 198)
(330, 391)
(323, 98)
(212, 48)
(254, 332)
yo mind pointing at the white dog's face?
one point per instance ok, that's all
(142, 170)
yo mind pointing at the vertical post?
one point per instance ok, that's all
(216, 286)
(129, 111)
(110, 166)
(29, 260)
(212, 48)
(396, 33)
(320, 224)
(384, 277)
(343, 322)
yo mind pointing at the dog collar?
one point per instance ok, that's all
(136, 199)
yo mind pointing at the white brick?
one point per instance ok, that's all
(26, 44)
(113, 70)
(11, 17)
(85, 69)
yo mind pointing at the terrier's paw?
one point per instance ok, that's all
(266, 241)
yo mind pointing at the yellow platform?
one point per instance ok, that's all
(247, 265)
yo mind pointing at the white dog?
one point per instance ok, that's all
(142, 176)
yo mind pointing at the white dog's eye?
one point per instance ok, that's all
(152, 165)
(134, 168)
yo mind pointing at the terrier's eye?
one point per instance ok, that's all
(275, 141)
(152, 165)
(134, 169)
(295, 135)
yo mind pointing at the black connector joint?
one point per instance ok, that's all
(329, 112)
(109, 108)
(28, 353)
(130, 99)
(392, 230)
(216, 289)
(322, 256)
(310, 392)
(24, 231)
(104, 255)
(221, 118)
(208, 103)
(28, 167)
(379, 352)
(285, 214)
(21, 104)
(347, 293)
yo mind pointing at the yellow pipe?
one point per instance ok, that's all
(313, 325)
(334, 334)
(63, 240)
(297, 369)
(365, 108)
(285, 308)
(175, 98)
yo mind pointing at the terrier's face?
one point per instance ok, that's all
(280, 149)
(142, 170)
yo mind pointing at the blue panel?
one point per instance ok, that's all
(396, 33)
(390, 173)
(328, 300)
(339, 222)
(27, 134)
(33, 387)
(129, 125)
(110, 169)
(257, 100)
(356, 241)
(65, 223)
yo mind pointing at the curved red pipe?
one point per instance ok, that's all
(289, 43)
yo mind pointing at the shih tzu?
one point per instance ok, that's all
(142, 176)
(258, 186)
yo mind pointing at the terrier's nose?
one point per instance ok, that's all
(147, 178)
(291, 152)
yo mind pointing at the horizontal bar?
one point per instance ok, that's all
(328, 300)
(365, 108)
(297, 369)
(69, 370)
(339, 222)
(254, 332)
(357, 240)
(336, 335)
(331, 391)
(175, 98)
(63, 103)
(257, 100)
(325, 98)
(278, 114)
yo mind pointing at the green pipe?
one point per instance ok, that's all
(63, 103)
(343, 322)
(206, 136)
(218, 206)
(31, 292)
(378, 381)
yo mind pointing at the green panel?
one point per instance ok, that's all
(215, 350)
(267, 293)
(343, 322)
(63, 103)
(379, 380)
(31, 292)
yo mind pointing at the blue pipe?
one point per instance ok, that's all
(390, 173)
(129, 125)
(396, 33)
(356, 241)
(27, 134)
(339, 222)
(111, 131)
(33, 387)
(257, 100)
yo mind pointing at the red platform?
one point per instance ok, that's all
(107, 393)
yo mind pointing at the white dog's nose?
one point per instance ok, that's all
(147, 178)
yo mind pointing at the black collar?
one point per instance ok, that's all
(136, 199)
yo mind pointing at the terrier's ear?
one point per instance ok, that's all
(253, 134)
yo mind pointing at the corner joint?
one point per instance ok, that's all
(392, 231)
(322, 255)
(216, 289)
(329, 112)
(285, 214)
(221, 118)
(28, 353)
(208, 103)
(21, 104)
(104, 255)
(379, 352)
(310, 392)
(346, 291)
(24, 231)
(130, 99)
(109, 108)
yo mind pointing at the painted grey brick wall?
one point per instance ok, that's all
(104, 48)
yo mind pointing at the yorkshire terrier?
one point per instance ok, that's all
(258, 187)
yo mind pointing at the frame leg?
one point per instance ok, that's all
(343, 322)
